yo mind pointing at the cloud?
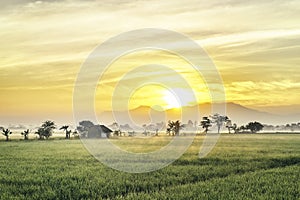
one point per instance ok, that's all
(254, 44)
(261, 93)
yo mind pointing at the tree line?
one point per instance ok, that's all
(173, 127)
(44, 131)
(220, 121)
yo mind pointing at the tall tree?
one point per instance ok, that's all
(6, 133)
(219, 120)
(205, 123)
(25, 134)
(68, 132)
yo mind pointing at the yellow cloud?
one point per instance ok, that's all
(254, 44)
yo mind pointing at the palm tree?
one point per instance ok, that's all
(174, 127)
(6, 133)
(25, 134)
(68, 132)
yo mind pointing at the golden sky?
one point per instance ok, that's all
(255, 46)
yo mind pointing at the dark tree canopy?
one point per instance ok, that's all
(46, 130)
(84, 127)
(86, 124)
(254, 127)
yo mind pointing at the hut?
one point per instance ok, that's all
(99, 131)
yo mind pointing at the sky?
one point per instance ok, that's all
(255, 46)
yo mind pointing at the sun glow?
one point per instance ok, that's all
(171, 100)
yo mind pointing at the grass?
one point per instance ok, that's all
(239, 167)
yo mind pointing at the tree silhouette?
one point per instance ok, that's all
(219, 120)
(235, 128)
(174, 127)
(40, 133)
(254, 127)
(46, 130)
(6, 133)
(25, 134)
(242, 128)
(86, 124)
(168, 131)
(205, 123)
(231, 126)
(84, 127)
(68, 132)
(145, 129)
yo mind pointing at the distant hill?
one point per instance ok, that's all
(238, 113)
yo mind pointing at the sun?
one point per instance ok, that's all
(170, 100)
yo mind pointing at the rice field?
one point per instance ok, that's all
(244, 166)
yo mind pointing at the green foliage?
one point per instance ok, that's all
(46, 130)
(239, 167)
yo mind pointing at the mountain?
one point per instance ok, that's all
(280, 110)
(237, 113)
